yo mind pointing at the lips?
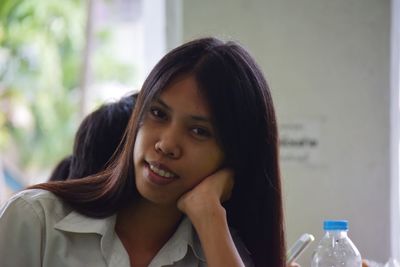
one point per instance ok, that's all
(159, 174)
(162, 170)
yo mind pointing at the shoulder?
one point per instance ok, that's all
(32, 195)
(26, 221)
(34, 202)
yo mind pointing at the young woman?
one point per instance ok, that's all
(196, 182)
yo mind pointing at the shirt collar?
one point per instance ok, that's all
(174, 250)
(76, 222)
(176, 247)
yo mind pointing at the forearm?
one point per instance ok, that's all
(216, 240)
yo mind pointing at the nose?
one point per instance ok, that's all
(168, 144)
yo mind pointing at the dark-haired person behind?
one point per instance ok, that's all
(196, 182)
(61, 170)
(96, 140)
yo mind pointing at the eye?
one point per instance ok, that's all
(201, 132)
(158, 113)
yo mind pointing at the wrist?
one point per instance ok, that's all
(216, 240)
(210, 216)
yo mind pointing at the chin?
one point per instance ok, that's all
(154, 196)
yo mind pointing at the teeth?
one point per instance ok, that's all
(160, 172)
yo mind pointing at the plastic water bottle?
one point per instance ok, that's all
(336, 249)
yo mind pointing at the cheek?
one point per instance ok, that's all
(217, 159)
(145, 141)
(208, 161)
(138, 148)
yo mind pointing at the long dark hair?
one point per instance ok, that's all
(61, 171)
(98, 137)
(96, 140)
(245, 122)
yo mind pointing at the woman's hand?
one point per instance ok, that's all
(203, 206)
(207, 195)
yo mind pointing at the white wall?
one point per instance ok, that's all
(327, 62)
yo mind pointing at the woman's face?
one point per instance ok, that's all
(176, 147)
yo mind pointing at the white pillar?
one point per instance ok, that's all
(395, 125)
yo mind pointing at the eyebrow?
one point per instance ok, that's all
(193, 117)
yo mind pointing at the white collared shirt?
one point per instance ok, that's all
(38, 229)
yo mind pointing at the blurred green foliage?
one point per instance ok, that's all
(41, 43)
(40, 47)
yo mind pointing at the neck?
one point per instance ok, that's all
(146, 226)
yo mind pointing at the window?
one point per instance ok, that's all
(123, 41)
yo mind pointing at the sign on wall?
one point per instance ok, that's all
(300, 142)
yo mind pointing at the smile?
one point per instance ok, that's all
(161, 171)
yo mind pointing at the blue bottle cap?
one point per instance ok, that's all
(336, 225)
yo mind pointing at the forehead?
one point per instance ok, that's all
(183, 94)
